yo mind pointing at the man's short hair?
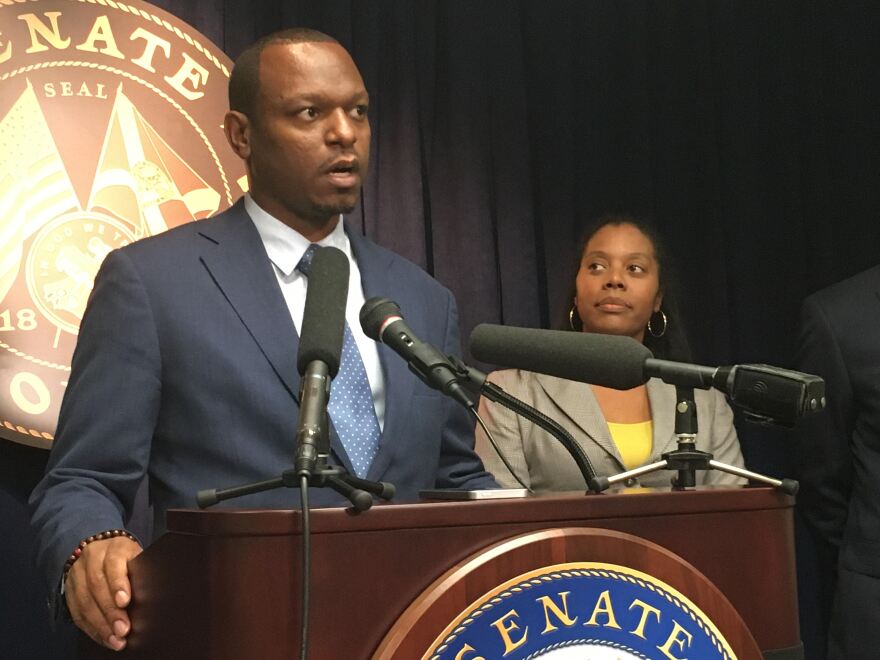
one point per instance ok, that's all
(244, 82)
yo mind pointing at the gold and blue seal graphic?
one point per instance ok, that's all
(111, 130)
(581, 610)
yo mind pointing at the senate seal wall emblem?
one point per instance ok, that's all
(582, 610)
(110, 130)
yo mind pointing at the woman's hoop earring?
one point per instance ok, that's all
(665, 323)
(571, 318)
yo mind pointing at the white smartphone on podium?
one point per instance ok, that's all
(488, 494)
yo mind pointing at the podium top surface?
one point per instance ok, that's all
(551, 509)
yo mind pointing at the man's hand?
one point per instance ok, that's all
(98, 591)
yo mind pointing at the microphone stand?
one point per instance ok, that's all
(310, 467)
(310, 471)
(358, 491)
(687, 459)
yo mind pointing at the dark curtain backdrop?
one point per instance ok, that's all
(746, 129)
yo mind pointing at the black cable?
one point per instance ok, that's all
(498, 395)
(497, 449)
(306, 568)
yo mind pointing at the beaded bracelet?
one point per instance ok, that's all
(109, 534)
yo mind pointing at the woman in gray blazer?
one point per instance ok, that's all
(619, 289)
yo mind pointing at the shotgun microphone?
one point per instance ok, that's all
(320, 350)
(765, 393)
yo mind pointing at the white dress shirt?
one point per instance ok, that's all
(285, 248)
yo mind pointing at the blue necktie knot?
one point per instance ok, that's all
(305, 262)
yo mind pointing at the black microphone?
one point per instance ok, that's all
(610, 360)
(765, 393)
(382, 321)
(771, 394)
(320, 350)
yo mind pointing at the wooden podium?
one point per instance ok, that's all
(225, 583)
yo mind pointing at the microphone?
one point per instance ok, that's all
(610, 360)
(770, 394)
(382, 321)
(320, 351)
(765, 393)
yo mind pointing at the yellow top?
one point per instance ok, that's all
(634, 442)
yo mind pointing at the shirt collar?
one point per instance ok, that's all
(286, 246)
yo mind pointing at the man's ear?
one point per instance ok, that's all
(237, 127)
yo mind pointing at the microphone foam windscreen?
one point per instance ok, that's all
(608, 360)
(373, 314)
(323, 325)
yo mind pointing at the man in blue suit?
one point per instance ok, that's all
(185, 369)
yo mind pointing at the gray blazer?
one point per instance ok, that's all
(543, 463)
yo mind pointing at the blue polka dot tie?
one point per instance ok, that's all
(351, 400)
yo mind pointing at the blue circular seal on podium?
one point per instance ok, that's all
(583, 609)
(571, 593)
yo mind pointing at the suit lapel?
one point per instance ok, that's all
(375, 265)
(580, 405)
(235, 257)
(577, 402)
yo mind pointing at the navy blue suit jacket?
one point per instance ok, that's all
(185, 370)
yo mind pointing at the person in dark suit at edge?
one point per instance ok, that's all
(839, 459)
(185, 368)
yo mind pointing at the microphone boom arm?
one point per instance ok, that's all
(498, 395)
(478, 383)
